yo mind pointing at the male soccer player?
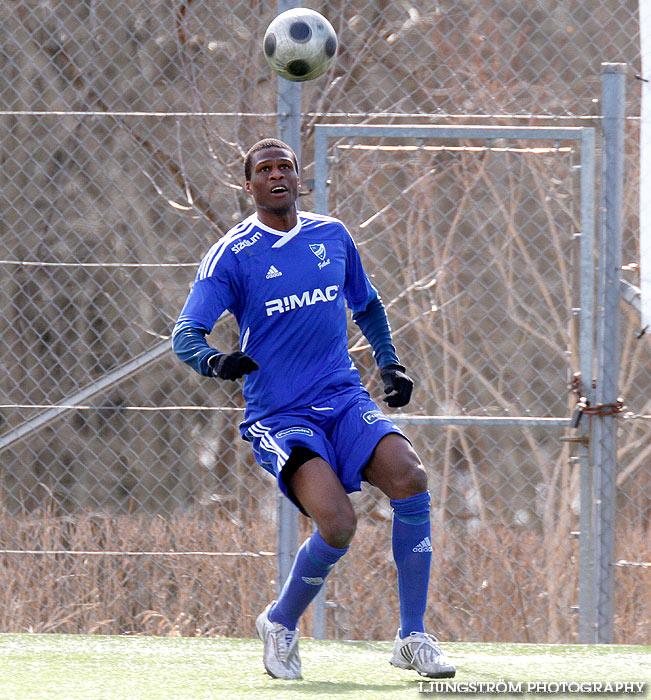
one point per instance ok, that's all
(286, 276)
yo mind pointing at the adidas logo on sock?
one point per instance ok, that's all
(273, 272)
(425, 545)
(316, 581)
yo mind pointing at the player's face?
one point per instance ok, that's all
(274, 181)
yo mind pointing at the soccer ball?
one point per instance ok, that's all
(300, 44)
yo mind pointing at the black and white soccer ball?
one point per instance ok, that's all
(300, 44)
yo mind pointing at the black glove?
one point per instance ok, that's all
(232, 366)
(397, 385)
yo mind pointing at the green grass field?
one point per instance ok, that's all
(64, 667)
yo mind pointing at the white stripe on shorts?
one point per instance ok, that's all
(259, 430)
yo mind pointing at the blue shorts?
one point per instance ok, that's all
(343, 430)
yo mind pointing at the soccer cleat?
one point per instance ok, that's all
(281, 658)
(420, 652)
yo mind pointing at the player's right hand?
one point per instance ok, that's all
(233, 365)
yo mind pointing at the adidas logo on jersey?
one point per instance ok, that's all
(425, 545)
(273, 272)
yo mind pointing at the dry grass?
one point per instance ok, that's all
(161, 595)
(500, 584)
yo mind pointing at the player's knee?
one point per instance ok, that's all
(338, 531)
(410, 481)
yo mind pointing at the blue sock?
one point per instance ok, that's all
(412, 552)
(312, 564)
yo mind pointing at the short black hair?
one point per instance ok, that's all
(261, 145)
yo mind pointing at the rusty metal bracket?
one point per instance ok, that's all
(583, 405)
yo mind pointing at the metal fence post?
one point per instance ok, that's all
(320, 207)
(608, 342)
(289, 131)
(587, 586)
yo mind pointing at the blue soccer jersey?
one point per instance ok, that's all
(288, 292)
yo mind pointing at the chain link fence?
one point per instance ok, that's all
(129, 504)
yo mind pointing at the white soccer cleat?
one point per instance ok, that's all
(281, 658)
(420, 652)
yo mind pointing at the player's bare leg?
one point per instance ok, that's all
(324, 499)
(395, 468)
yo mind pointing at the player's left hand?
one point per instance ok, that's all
(233, 365)
(397, 385)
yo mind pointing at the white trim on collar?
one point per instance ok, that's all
(283, 236)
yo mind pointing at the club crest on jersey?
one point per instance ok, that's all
(320, 251)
